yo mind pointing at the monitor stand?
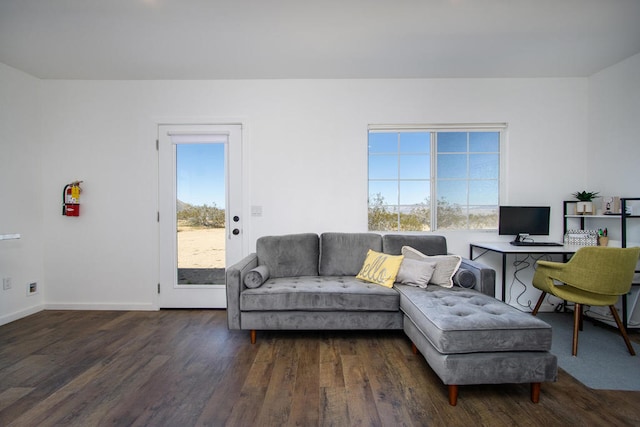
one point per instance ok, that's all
(521, 237)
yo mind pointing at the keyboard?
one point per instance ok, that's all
(536, 244)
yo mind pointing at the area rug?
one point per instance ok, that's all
(603, 361)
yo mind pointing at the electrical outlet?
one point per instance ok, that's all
(6, 283)
(32, 288)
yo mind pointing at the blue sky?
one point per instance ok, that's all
(409, 159)
(200, 174)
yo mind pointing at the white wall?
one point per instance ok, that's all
(20, 193)
(614, 135)
(306, 161)
(614, 129)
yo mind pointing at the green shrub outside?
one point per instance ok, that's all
(201, 216)
(450, 217)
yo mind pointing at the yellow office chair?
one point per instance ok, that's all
(594, 276)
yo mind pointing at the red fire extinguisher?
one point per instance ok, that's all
(71, 199)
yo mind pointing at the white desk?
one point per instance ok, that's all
(506, 248)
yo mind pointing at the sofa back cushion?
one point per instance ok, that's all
(427, 244)
(342, 254)
(289, 255)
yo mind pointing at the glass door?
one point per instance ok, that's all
(200, 212)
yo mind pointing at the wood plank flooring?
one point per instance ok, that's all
(185, 368)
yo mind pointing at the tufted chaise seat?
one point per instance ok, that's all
(459, 320)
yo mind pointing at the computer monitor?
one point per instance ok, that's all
(522, 220)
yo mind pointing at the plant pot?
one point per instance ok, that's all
(584, 208)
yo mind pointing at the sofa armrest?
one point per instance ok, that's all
(485, 276)
(235, 284)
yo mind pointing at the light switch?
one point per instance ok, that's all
(9, 236)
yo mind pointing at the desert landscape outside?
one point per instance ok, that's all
(201, 255)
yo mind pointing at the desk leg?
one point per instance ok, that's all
(504, 270)
(504, 277)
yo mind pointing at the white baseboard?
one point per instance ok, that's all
(20, 314)
(102, 306)
(75, 306)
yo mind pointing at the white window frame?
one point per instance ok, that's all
(500, 128)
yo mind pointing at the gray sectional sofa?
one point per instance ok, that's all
(308, 281)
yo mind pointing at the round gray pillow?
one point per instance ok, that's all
(256, 277)
(464, 278)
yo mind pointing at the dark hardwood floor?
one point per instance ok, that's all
(185, 368)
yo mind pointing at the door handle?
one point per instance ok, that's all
(235, 231)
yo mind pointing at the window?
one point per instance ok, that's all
(429, 178)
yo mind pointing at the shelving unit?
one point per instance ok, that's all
(612, 221)
(624, 203)
(616, 223)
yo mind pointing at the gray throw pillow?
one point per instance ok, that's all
(446, 265)
(464, 278)
(415, 273)
(256, 277)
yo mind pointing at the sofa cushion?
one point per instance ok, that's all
(289, 255)
(380, 268)
(319, 293)
(427, 244)
(460, 320)
(342, 254)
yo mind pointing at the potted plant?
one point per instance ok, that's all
(585, 201)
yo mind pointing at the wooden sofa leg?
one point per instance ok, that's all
(535, 392)
(414, 349)
(252, 333)
(453, 394)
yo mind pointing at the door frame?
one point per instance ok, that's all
(243, 185)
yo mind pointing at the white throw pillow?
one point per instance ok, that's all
(445, 265)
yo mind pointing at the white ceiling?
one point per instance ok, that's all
(246, 39)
